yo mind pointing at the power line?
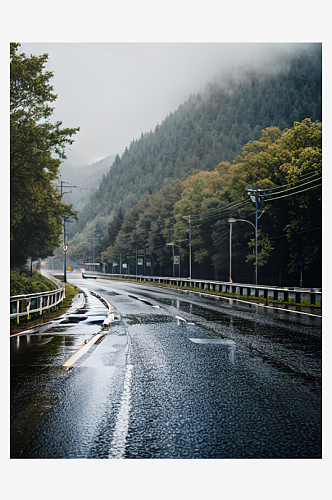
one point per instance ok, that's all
(220, 211)
(221, 239)
(237, 204)
(263, 195)
(302, 177)
(297, 232)
(79, 187)
(292, 194)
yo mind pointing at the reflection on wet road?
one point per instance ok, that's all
(177, 376)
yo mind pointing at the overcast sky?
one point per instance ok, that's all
(116, 91)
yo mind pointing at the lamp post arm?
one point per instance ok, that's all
(243, 220)
(255, 228)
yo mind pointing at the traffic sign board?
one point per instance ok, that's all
(65, 247)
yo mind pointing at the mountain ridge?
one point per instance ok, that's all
(208, 128)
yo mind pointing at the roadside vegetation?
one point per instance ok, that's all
(256, 130)
(286, 166)
(23, 284)
(37, 148)
(263, 131)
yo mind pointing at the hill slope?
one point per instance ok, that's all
(208, 128)
(86, 177)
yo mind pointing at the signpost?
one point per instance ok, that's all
(65, 248)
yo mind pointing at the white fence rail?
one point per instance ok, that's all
(309, 296)
(35, 303)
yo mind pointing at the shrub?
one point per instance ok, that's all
(21, 284)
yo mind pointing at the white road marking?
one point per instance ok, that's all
(213, 341)
(83, 350)
(181, 319)
(118, 445)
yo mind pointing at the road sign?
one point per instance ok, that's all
(65, 247)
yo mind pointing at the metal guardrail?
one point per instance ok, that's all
(35, 303)
(306, 296)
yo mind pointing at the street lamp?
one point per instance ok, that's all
(255, 196)
(172, 245)
(230, 245)
(230, 248)
(95, 234)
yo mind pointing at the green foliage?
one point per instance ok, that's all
(210, 198)
(264, 249)
(23, 284)
(212, 127)
(148, 224)
(254, 128)
(37, 148)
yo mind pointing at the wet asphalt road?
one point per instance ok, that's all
(177, 376)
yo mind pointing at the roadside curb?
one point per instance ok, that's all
(111, 311)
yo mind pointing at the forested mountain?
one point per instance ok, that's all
(210, 127)
(86, 178)
(201, 158)
(286, 168)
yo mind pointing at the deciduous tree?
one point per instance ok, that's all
(37, 148)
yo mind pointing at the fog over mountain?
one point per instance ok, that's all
(206, 129)
(79, 182)
(116, 91)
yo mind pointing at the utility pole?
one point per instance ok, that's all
(189, 220)
(64, 231)
(173, 258)
(256, 249)
(180, 258)
(190, 246)
(65, 253)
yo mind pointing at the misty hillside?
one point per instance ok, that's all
(87, 178)
(208, 128)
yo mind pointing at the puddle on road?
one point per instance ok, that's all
(95, 319)
(147, 319)
(73, 318)
(105, 292)
(191, 308)
(36, 361)
(254, 321)
(24, 426)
